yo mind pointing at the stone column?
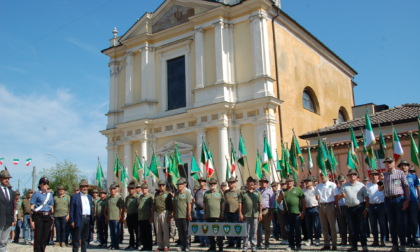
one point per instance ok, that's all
(199, 57)
(113, 87)
(220, 51)
(260, 45)
(128, 163)
(129, 78)
(223, 152)
(110, 176)
(147, 73)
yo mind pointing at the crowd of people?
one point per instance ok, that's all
(384, 206)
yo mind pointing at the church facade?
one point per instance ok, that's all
(213, 70)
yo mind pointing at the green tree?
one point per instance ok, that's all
(64, 173)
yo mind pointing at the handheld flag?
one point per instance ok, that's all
(242, 151)
(117, 166)
(310, 162)
(267, 156)
(173, 171)
(258, 166)
(154, 166)
(206, 159)
(321, 157)
(350, 161)
(232, 158)
(414, 151)
(137, 168)
(195, 170)
(369, 136)
(99, 174)
(398, 150)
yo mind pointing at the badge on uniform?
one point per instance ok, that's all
(194, 228)
(205, 228)
(164, 195)
(226, 228)
(217, 195)
(182, 195)
(238, 229)
(115, 200)
(235, 195)
(215, 228)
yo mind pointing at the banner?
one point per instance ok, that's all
(217, 229)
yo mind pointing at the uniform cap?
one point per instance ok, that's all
(223, 184)
(388, 160)
(181, 181)
(352, 172)
(5, 174)
(131, 185)
(232, 179)
(103, 191)
(60, 187)
(403, 162)
(161, 182)
(274, 184)
(289, 178)
(251, 179)
(341, 178)
(113, 186)
(282, 181)
(202, 179)
(366, 179)
(17, 193)
(212, 181)
(30, 191)
(84, 182)
(264, 179)
(95, 191)
(144, 186)
(374, 172)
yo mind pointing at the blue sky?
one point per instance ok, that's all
(54, 80)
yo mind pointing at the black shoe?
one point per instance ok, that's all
(238, 246)
(334, 248)
(352, 249)
(230, 245)
(325, 248)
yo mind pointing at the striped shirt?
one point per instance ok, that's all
(394, 182)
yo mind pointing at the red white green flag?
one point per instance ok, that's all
(369, 136)
(15, 161)
(28, 161)
(398, 150)
(1, 161)
(414, 151)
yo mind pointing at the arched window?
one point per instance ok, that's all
(342, 115)
(307, 101)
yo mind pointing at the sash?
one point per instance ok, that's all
(43, 203)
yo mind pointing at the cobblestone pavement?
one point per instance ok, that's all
(275, 245)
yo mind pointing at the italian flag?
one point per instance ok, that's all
(398, 151)
(15, 161)
(28, 161)
(369, 136)
(1, 161)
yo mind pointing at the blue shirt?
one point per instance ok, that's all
(38, 198)
(413, 183)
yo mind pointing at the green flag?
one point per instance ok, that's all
(154, 166)
(286, 158)
(99, 174)
(353, 138)
(258, 166)
(334, 162)
(177, 156)
(321, 157)
(195, 170)
(414, 151)
(174, 172)
(137, 167)
(350, 161)
(370, 158)
(295, 154)
(117, 165)
(382, 146)
(266, 157)
(228, 173)
(232, 159)
(124, 175)
(369, 136)
(242, 151)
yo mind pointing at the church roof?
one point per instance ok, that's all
(396, 115)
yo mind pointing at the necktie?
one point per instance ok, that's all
(6, 193)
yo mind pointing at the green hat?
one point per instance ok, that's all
(366, 179)
(202, 179)
(95, 191)
(84, 182)
(250, 179)
(17, 193)
(282, 181)
(103, 191)
(161, 182)
(264, 179)
(403, 162)
(352, 172)
(274, 184)
(181, 181)
(290, 178)
(341, 178)
(373, 172)
(131, 185)
(232, 179)
(60, 187)
(113, 186)
(212, 181)
(308, 179)
(30, 191)
(223, 184)
(5, 174)
(138, 185)
(388, 160)
(196, 187)
(144, 186)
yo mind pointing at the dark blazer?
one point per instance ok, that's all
(76, 209)
(7, 213)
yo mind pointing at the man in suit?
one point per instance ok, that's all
(7, 206)
(81, 216)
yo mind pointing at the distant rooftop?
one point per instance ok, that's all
(393, 116)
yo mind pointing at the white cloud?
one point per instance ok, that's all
(35, 124)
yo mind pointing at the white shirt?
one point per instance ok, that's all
(326, 192)
(310, 197)
(85, 204)
(375, 196)
(341, 202)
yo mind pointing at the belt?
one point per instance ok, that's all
(394, 196)
(86, 215)
(356, 205)
(326, 204)
(311, 207)
(43, 213)
(376, 204)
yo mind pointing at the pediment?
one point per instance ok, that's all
(183, 148)
(170, 14)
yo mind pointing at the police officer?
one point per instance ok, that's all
(42, 206)
(145, 220)
(100, 218)
(232, 209)
(61, 214)
(131, 206)
(182, 212)
(162, 207)
(214, 204)
(114, 214)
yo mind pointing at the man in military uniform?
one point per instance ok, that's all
(250, 211)
(145, 219)
(101, 225)
(182, 212)
(61, 215)
(114, 214)
(214, 204)
(162, 207)
(131, 206)
(282, 215)
(26, 223)
(232, 197)
(95, 198)
(295, 205)
(268, 205)
(18, 225)
(138, 189)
